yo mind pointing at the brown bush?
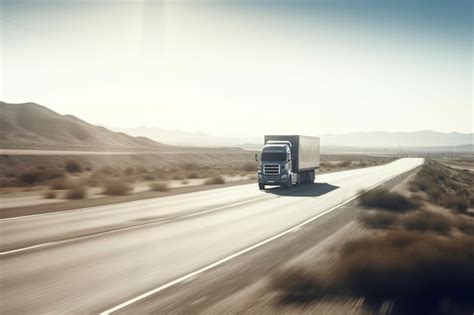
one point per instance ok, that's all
(465, 225)
(115, 187)
(73, 166)
(215, 180)
(447, 187)
(148, 177)
(49, 194)
(185, 182)
(193, 175)
(420, 273)
(60, 184)
(31, 177)
(379, 219)
(76, 192)
(384, 199)
(427, 221)
(158, 187)
(457, 202)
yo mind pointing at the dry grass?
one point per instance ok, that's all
(76, 192)
(159, 187)
(385, 199)
(250, 167)
(215, 180)
(115, 187)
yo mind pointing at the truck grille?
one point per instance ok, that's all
(271, 169)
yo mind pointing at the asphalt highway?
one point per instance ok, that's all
(107, 258)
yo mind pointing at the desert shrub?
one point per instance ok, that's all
(116, 187)
(385, 199)
(76, 192)
(49, 194)
(128, 171)
(456, 202)
(192, 175)
(59, 184)
(249, 167)
(215, 180)
(89, 169)
(158, 187)
(427, 221)
(379, 219)
(73, 166)
(109, 171)
(420, 273)
(447, 187)
(31, 177)
(185, 182)
(148, 177)
(465, 225)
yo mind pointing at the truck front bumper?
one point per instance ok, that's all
(273, 179)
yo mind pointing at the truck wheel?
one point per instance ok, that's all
(261, 186)
(289, 183)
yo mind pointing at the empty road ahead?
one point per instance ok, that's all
(105, 259)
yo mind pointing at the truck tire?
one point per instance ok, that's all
(289, 183)
(261, 186)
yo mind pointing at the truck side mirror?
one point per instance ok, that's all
(256, 157)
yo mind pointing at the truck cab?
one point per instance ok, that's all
(275, 164)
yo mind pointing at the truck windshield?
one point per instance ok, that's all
(268, 156)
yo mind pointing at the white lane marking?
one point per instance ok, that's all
(237, 254)
(127, 228)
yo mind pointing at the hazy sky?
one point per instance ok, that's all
(243, 67)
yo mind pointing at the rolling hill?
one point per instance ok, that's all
(33, 126)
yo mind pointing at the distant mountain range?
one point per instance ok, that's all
(182, 138)
(33, 126)
(377, 139)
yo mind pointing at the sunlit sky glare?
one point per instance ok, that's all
(243, 67)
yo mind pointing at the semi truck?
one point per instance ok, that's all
(288, 160)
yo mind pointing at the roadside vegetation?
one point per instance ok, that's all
(417, 259)
(159, 187)
(126, 175)
(215, 180)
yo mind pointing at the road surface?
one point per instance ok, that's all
(108, 258)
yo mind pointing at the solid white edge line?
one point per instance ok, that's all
(239, 253)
